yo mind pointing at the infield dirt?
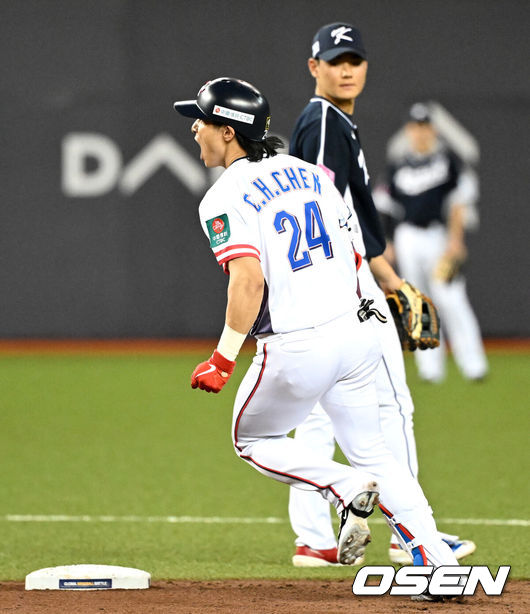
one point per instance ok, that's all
(247, 597)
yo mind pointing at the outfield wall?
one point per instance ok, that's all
(101, 179)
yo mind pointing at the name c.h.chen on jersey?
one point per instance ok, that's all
(278, 183)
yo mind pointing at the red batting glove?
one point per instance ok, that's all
(213, 374)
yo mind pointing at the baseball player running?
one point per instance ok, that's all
(277, 226)
(428, 195)
(326, 136)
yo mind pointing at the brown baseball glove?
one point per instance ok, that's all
(416, 318)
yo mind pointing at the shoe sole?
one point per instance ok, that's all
(355, 534)
(354, 538)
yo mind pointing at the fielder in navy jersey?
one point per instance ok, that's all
(429, 196)
(326, 135)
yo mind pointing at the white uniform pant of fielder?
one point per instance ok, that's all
(335, 364)
(418, 250)
(309, 514)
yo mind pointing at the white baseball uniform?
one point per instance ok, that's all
(422, 189)
(312, 347)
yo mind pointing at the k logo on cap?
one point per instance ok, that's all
(339, 34)
(335, 39)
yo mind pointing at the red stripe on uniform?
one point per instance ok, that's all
(406, 532)
(296, 477)
(237, 255)
(245, 404)
(390, 515)
(249, 458)
(239, 246)
(423, 556)
(385, 511)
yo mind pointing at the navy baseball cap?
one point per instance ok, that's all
(337, 38)
(419, 112)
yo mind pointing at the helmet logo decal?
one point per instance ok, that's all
(238, 116)
(267, 124)
(339, 34)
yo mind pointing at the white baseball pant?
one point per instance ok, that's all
(333, 364)
(309, 514)
(418, 250)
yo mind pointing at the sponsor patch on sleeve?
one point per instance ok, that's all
(218, 230)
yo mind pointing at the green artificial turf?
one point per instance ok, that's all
(126, 436)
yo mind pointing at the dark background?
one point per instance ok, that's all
(136, 263)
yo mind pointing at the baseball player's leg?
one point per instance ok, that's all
(285, 381)
(431, 366)
(396, 408)
(417, 251)
(461, 327)
(309, 513)
(402, 500)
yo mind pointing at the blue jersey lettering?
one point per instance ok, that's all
(289, 173)
(316, 184)
(263, 188)
(246, 198)
(303, 175)
(283, 188)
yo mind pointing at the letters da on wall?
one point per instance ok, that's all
(92, 165)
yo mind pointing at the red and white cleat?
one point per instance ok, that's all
(305, 556)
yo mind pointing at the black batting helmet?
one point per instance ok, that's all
(231, 102)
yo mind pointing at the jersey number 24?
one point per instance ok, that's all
(315, 234)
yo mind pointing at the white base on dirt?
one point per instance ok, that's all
(87, 578)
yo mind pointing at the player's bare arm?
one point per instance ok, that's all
(387, 278)
(455, 254)
(455, 232)
(245, 292)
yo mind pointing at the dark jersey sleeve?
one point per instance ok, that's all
(336, 152)
(455, 167)
(305, 141)
(372, 229)
(390, 173)
(336, 145)
(389, 224)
